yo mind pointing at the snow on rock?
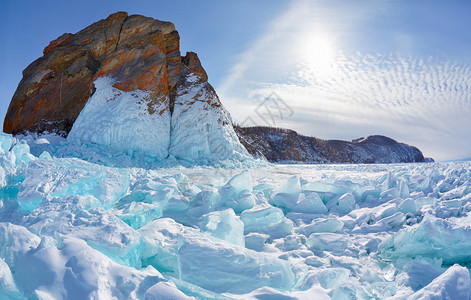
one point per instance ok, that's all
(201, 129)
(196, 128)
(121, 121)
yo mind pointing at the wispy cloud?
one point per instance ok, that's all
(424, 102)
(421, 100)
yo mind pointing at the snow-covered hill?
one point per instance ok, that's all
(72, 229)
(284, 145)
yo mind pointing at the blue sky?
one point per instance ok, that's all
(347, 69)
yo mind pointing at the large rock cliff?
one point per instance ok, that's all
(125, 77)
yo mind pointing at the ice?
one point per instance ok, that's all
(16, 241)
(79, 229)
(331, 225)
(3, 178)
(160, 245)
(138, 214)
(270, 293)
(121, 121)
(412, 205)
(45, 155)
(248, 268)
(328, 241)
(64, 177)
(73, 270)
(453, 284)
(210, 263)
(266, 219)
(197, 292)
(239, 184)
(6, 140)
(177, 203)
(291, 186)
(326, 278)
(345, 291)
(100, 229)
(346, 203)
(20, 153)
(310, 204)
(256, 241)
(432, 237)
(236, 193)
(8, 287)
(207, 197)
(420, 271)
(224, 225)
(395, 220)
(286, 196)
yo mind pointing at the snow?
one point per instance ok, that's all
(201, 129)
(74, 228)
(121, 121)
(198, 130)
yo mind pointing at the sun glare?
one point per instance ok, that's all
(318, 51)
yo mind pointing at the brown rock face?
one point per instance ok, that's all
(141, 53)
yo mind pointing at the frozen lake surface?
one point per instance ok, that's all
(76, 229)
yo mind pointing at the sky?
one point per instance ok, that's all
(334, 69)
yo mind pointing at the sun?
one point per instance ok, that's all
(318, 51)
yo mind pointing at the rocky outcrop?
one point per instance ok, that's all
(283, 145)
(141, 53)
(122, 83)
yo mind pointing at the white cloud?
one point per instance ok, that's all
(424, 101)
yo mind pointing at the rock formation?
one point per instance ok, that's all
(283, 145)
(135, 59)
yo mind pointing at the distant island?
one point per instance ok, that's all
(284, 145)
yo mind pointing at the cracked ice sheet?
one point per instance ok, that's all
(326, 239)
